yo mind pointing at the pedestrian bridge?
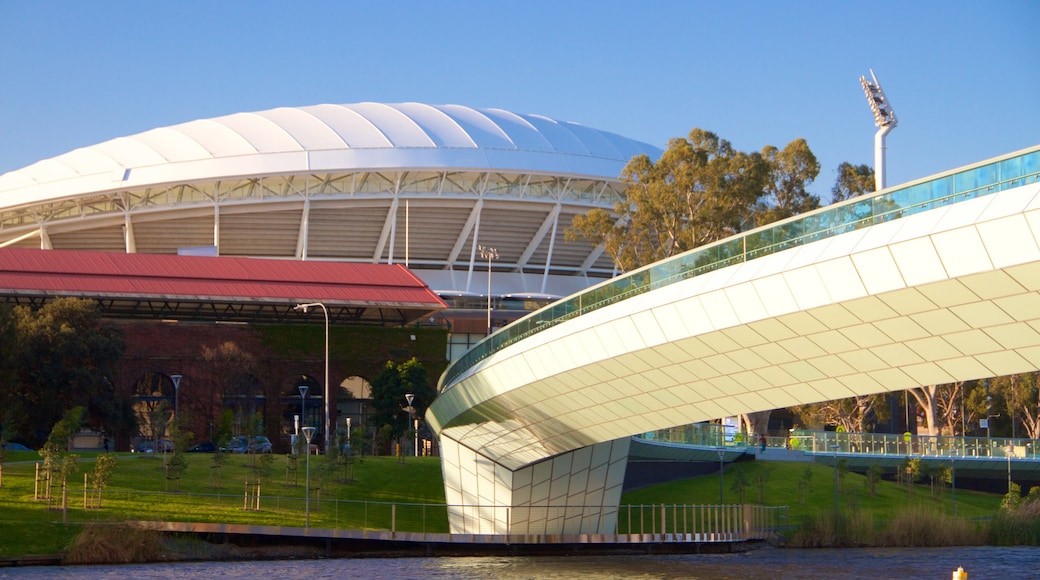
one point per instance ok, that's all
(976, 457)
(931, 282)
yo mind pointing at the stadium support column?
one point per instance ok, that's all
(578, 492)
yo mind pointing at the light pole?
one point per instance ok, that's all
(884, 119)
(835, 449)
(303, 308)
(722, 455)
(176, 396)
(296, 435)
(488, 254)
(303, 409)
(349, 448)
(308, 433)
(411, 420)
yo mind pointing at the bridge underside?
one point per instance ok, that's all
(573, 493)
(941, 296)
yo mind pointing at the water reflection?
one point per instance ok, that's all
(903, 563)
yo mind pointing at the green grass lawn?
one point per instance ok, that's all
(781, 488)
(411, 490)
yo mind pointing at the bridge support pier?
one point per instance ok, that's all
(577, 492)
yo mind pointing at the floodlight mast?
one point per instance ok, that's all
(884, 119)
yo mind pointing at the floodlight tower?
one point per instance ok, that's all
(884, 119)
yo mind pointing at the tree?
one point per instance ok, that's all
(855, 414)
(937, 403)
(63, 356)
(55, 451)
(792, 170)
(1020, 395)
(853, 181)
(388, 396)
(701, 190)
(229, 368)
(104, 465)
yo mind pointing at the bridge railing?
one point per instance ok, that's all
(1009, 171)
(714, 435)
(700, 435)
(829, 442)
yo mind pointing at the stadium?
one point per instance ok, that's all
(421, 185)
(431, 188)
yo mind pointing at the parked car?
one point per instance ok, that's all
(241, 444)
(205, 447)
(149, 446)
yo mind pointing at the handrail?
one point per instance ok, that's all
(985, 178)
(826, 443)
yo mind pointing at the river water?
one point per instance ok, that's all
(844, 564)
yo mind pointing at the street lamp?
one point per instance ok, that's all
(303, 308)
(835, 449)
(348, 436)
(176, 396)
(303, 408)
(722, 454)
(488, 254)
(412, 420)
(308, 432)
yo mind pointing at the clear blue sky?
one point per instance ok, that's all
(963, 77)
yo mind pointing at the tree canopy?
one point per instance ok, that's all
(388, 395)
(56, 358)
(700, 191)
(853, 181)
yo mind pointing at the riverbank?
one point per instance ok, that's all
(406, 494)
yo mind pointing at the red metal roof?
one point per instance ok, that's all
(110, 275)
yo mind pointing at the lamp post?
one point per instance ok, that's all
(488, 254)
(176, 396)
(303, 409)
(411, 420)
(722, 455)
(303, 308)
(835, 449)
(348, 436)
(308, 432)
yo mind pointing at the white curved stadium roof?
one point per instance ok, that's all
(426, 185)
(320, 138)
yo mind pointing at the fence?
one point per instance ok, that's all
(658, 522)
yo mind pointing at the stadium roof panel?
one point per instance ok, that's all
(352, 137)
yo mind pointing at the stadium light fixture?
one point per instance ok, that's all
(884, 119)
(488, 254)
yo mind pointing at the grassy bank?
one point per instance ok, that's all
(412, 491)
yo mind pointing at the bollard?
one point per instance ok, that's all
(960, 574)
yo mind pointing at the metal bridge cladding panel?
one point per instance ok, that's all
(945, 295)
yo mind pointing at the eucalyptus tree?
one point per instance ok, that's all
(791, 171)
(701, 190)
(1020, 395)
(852, 181)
